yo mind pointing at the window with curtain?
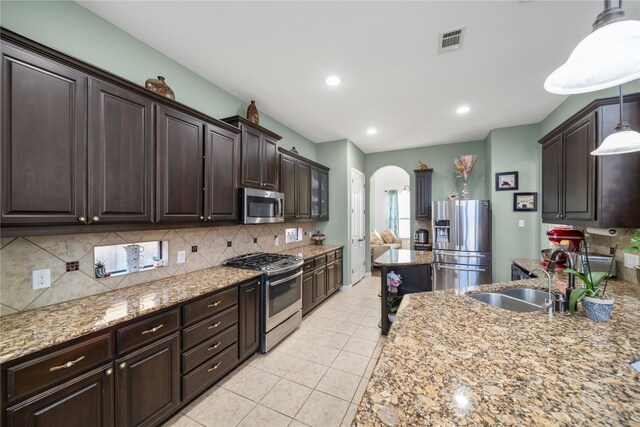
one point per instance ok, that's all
(404, 215)
(392, 211)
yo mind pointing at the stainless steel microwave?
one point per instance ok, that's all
(260, 207)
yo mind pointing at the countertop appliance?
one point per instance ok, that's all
(421, 236)
(461, 243)
(280, 294)
(574, 237)
(259, 206)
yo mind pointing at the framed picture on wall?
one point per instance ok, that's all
(525, 202)
(506, 181)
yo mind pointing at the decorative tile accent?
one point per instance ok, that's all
(194, 248)
(73, 266)
(228, 244)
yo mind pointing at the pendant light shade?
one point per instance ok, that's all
(619, 142)
(609, 56)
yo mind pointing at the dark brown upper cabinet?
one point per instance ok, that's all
(43, 140)
(259, 154)
(295, 177)
(179, 171)
(222, 161)
(120, 155)
(586, 190)
(423, 193)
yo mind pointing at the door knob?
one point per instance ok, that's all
(209, 218)
(95, 218)
(122, 365)
(82, 219)
(109, 371)
(201, 218)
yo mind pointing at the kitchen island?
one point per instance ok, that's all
(415, 269)
(453, 360)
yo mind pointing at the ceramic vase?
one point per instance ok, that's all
(160, 87)
(252, 113)
(597, 309)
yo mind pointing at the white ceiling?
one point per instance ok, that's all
(279, 53)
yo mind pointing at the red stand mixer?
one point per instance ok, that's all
(562, 238)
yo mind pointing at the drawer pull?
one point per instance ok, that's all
(66, 365)
(152, 330)
(213, 347)
(215, 325)
(215, 304)
(214, 367)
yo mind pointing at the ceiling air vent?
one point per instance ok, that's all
(450, 40)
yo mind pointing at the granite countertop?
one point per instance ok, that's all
(30, 331)
(453, 360)
(395, 257)
(311, 251)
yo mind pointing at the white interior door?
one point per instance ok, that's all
(357, 226)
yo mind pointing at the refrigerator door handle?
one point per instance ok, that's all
(460, 269)
(463, 254)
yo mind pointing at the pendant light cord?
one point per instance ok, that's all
(621, 114)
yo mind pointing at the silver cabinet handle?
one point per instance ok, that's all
(214, 367)
(201, 218)
(152, 330)
(66, 365)
(95, 218)
(82, 219)
(122, 365)
(215, 325)
(215, 304)
(213, 347)
(109, 371)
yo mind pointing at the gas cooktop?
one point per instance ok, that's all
(270, 264)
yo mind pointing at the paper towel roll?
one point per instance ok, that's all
(611, 232)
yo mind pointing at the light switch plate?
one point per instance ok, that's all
(41, 278)
(521, 223)
(181, 257)
(631, 259)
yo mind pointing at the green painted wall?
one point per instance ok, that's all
(438, 157)
(72, 29)
(513, 149)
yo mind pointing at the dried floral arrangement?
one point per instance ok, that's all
(464, 165)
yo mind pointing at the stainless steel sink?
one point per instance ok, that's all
(532, 296)
(506, 302)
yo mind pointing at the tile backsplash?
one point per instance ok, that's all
(601, 244)
(19, 256)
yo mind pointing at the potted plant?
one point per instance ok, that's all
(393, 303)
(594, 304)
(635, 247)
(101, 268)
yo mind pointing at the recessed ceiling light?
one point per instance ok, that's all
(333, 81)
(463, 109)
(372, 131)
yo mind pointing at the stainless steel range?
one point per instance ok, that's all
(280, 294)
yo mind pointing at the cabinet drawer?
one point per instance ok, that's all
(320, 261)
(42, 372)
(339, 254)
(209, 327)
(308, 266)
(331, 257)
(209, 348)
(209, 372)
(208, 306)
(145, 331)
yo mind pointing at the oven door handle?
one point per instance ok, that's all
(286, 279)
(444, 267)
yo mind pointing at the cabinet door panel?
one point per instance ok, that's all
(222, 162)
(324, 195)
(147, 385)
(320, 284)
(180, 183)
(269, 163)
(251, 148)
(43, 140)
(121, 155)
(249, 337)
(423, 195)
(552, 179)
(307, 292)
(579, 178)
(288, 185)
(315, 193)
(303, 196)
(331, 278)
(84, 401)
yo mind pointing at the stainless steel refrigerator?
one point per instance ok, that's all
(461, 243)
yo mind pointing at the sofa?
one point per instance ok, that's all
(382, 242)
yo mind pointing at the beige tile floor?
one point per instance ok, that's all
(315, 377)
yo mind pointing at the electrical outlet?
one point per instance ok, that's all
(181, 257)
(276, 241)
(41, 278)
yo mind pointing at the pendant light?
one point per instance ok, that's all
(623, 140)
(608, 57)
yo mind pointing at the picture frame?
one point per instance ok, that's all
(525, 202)
(506, 181)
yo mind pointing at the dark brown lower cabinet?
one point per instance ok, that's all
(87, 400)
(148, 383)
(249, 305)
(320, 283)
(307, 293)
(323, 281)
